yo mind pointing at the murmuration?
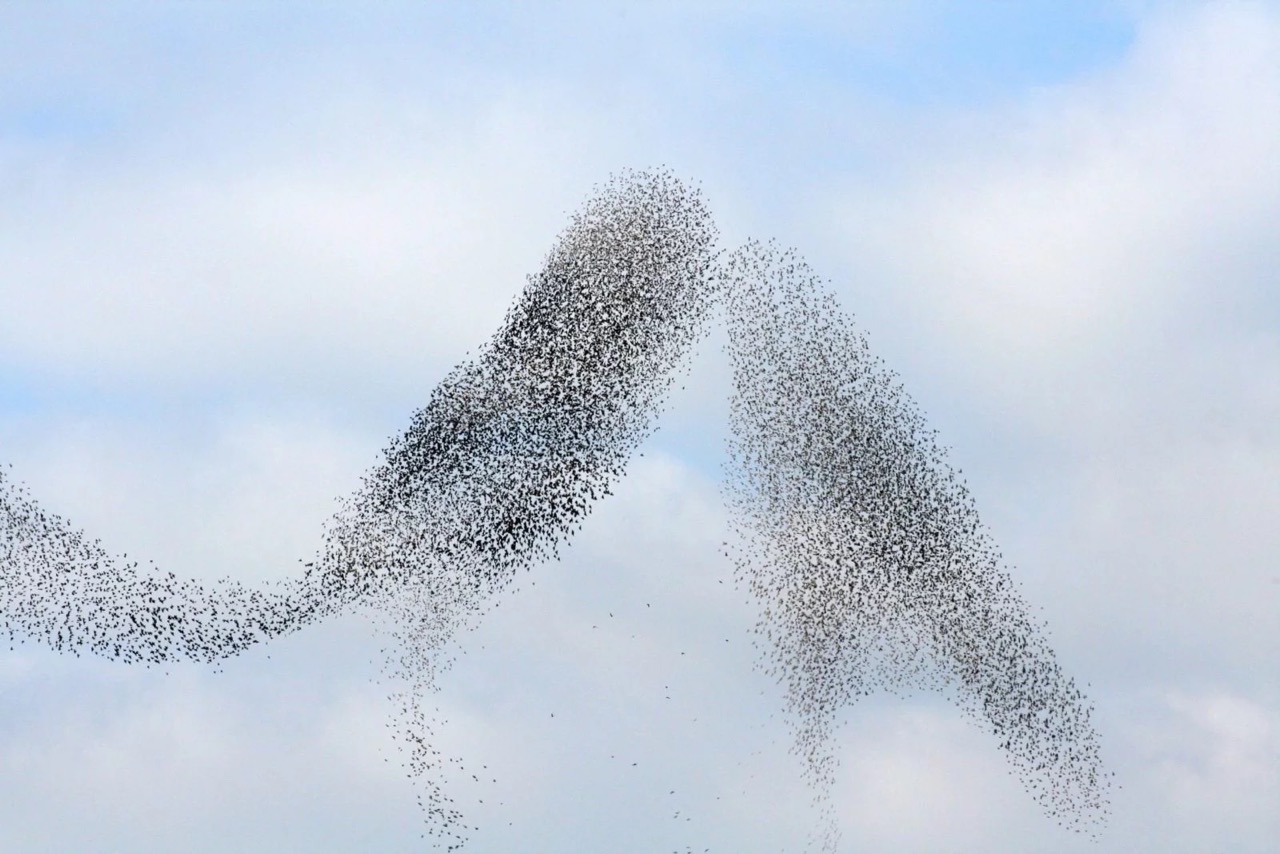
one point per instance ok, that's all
(861, 546)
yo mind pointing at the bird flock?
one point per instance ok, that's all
(859, 544)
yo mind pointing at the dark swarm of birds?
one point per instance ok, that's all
(857, 540)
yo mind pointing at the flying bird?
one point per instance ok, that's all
(857, 540)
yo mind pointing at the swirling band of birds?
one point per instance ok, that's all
(862, 548)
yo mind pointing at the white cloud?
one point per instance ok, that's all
(269, 756)
(1198, 770)
(914, 776)
(1087, 225)
(244, 496)
(1088, 272)
(1091, 263)
(381, 259)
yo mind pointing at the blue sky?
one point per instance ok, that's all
(241, 243)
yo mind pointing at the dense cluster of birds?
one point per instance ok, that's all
(862, 548)
(865, 550)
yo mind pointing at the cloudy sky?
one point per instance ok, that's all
(240, 243)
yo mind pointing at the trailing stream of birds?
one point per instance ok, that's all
(861, 547)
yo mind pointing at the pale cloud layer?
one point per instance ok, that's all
(227, 283)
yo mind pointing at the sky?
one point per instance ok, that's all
(241, 242)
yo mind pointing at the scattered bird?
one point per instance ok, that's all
(859, 543)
